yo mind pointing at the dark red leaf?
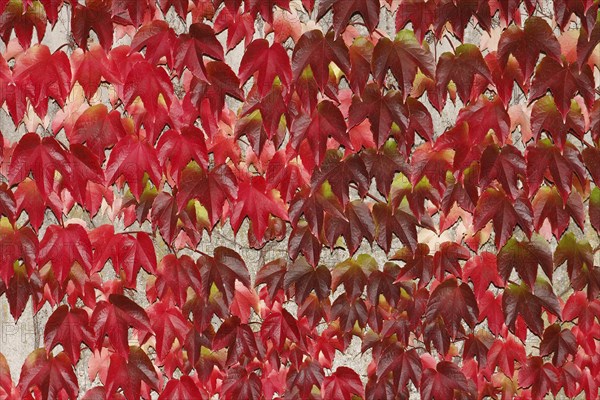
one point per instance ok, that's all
(52, 375)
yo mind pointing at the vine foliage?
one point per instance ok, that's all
(313, 129)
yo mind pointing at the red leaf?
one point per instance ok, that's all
(542, 377)
(302, 240)
(64, 246)
(463, 68)
(440, 383)
(524, 257)
(43, 158)
(113, 319)
(97, 128)
(18, 291)
(182, 388)
(272, 275)
(239, 384)
(300, 381)
(212, 189)
(360, 53)
(343, 12)
(483, 115)
(127, 253)
(176, 149)
(238, 25)
(564, 81)
(350, 312)
(520, 300)
(562, 165)
(447, 260)
(175, 276)
(527, 44)
(546, 117)
(132, 12)
(453, 304)
(223, 270)
(281, 328)
(257, 203)
(159, 39)
(132, 157)
(506, 165)
(284, 176)
(89, 67)
(505, 213)
(548, 204)
(265, 8)
(22, 17)
(6, 384)
(95, 16)
(239, 340)
(129, 373)
(326, 120)
(353, 274)
(586, 311)
(52, 375)
(390, 221)
(340, 174)
(383, 164)
(579, 256)
(344, 383)
(16, 244)
(404, 364)
(180, 7)
(151, 84)
(504, 77)
(560, 343)
(193, 46)
(418, 264)
(41, 75)
(86, 169)
(172, 222)
(317, 51)
(420, 13)
(459, 13)
(69, 328)
(267, 63)
(402, 57)
(167, 323)
(594, 205)
(504, 354)
(382, 110)
(305, 278)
